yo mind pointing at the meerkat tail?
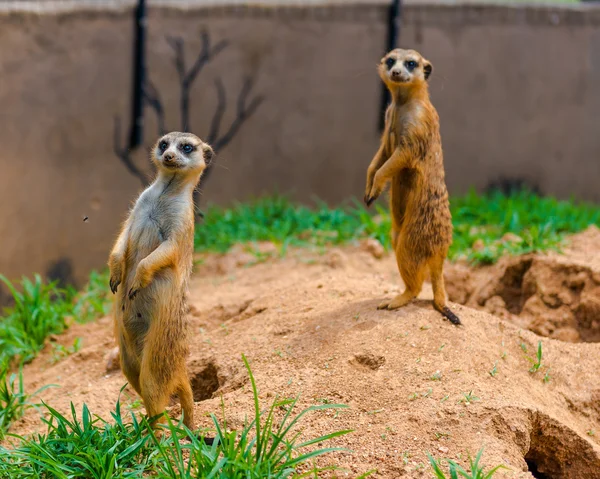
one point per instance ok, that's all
(448, 314)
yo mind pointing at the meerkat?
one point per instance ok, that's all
(150, 265)
(410, 158)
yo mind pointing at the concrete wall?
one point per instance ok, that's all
(514, 88)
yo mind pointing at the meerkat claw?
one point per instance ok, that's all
(369, 200)
(450, 316)
(132, 293)
(114, 285)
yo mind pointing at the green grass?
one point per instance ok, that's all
(14, 401)
(536, 363)
(541, 222)
(476, 471)
(279, 220)
(87, 446)
(535, 223)
(42, 309)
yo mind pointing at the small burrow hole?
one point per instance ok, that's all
(533, 469)
(557, 452)
(511, 286)
(205, 382)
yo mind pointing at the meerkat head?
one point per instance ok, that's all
(404, 68)
(182, 152)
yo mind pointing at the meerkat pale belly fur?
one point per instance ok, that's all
(150, 265)
(410, 158)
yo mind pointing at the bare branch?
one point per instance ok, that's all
(215, 124)
(205, 55)
(123, 153)
(187, 78)
(245, 107)
(243, 113)
(152, 97)
(176, 44)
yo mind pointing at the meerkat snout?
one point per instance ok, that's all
(183, 152)
(404, 66)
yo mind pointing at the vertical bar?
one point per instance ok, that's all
(139, 70)
(394, 16)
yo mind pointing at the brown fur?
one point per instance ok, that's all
(152, 262)
(410, 158)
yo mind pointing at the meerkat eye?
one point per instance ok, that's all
(390, 62)
(411, 64)
(187, 148)
(163, 146)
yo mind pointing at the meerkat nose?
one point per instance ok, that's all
(168, 156)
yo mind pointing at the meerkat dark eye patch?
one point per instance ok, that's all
(390, 62)
(410, 65)
(162, 146)
(187, 148)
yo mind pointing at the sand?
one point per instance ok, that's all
(308, 324)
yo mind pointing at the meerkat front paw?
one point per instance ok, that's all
(135, 289)
(369, 187)
(140, 281)
(373, 194)
(379, 182)
(367, 198)
(116, 275)
(115, 281)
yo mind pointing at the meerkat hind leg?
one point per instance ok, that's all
(413, 275)
(398, 301)
(130, 367)
(186, 398)
(436, 268)
(154, 394)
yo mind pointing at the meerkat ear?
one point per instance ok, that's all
(427, 69)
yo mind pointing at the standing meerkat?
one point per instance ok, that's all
(410, 157)
(150, 265)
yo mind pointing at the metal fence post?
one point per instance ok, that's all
(139, 73)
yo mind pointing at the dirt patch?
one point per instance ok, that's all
(413, 383)
(368, 360)
(553, 295)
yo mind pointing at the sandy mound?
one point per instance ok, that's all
(553, 295)
(309, 324)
